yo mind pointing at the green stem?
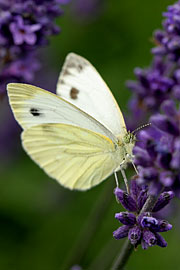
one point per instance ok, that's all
(90, 227)
(123, 257)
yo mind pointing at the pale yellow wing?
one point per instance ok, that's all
(77, 158)
(33, 106)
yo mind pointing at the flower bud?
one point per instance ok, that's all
(134, 235)
(149, 237)
(160, 241)
(163, 200)
(121, 232)
(126, 218)
(125, 199)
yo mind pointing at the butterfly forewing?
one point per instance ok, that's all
(32, 105)
(80, 84)
(77, 158)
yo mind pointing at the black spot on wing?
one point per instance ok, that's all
(74, 93)
(35, 112)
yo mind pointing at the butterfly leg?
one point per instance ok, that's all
(132, 161)
(116, 178)
(124, 178)
(134, 167)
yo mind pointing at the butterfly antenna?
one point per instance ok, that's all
(143, 126)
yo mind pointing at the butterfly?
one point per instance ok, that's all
(78, 136)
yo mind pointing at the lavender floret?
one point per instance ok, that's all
(134, 235)
(160, 240)
(163, 200)
(126, 218)
(149, 237)
(121, 232)
(125, 199)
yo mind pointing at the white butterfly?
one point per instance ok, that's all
(79, 137)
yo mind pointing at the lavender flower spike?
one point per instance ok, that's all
(156, 93)
(141, 228)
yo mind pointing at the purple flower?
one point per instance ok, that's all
(23, 69)
(126, 218)
(23, 33)
(163, 154)
(141, 228)
(156, 93)
(121, 232)
(125, 199)
(165, 124)
(163, 200)
(168, 39)
(25, 26)
(160, 241)
(149, 237)
(149, 222)
(134, 234)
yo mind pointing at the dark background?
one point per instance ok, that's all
(40, 221)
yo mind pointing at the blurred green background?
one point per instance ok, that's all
(45, 226)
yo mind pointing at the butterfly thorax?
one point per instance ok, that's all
(126, 144)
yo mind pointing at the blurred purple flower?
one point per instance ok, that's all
(168, 39)
(87, 10)
(158, 154)
(141, 228)
(23, 69)
(25, 26)
(156, 96)
(23, 33)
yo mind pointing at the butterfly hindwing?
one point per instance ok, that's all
(81, 84)
(77, 158)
